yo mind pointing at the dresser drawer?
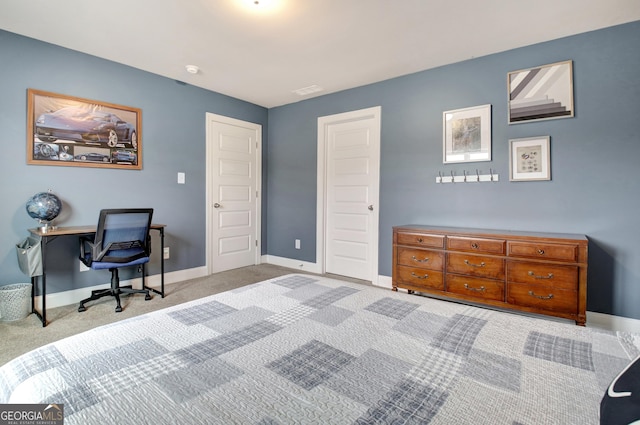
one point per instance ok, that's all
(480, 245)
(421, 277)
(476, 287)
(547, 251)
(423, 258)
(475, 265)
(542, 297)
(420, 239)
(555, 276)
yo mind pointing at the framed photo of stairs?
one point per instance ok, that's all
(541, 93)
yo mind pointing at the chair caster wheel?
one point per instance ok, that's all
(81, 309)
(118, 309)
(147, 297)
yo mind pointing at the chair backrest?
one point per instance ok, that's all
(122, 235)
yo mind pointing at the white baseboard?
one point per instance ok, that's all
(291, 263)
(612, 323)
(59, 299)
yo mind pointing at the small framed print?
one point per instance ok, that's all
(467, 134)
(529, 159)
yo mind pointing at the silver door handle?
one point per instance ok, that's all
(216, 205)
(370, 207)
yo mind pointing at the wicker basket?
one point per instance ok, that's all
(15, 301)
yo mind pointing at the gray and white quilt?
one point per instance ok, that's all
(301, 349)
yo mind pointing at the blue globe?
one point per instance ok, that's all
(44, 206)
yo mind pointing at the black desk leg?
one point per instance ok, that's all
(42, 316)
(162, 262)
(161, 291)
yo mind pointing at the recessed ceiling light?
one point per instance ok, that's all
(261, 6)
(192, 69)
(308, 90)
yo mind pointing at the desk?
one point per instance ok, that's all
(52, 234)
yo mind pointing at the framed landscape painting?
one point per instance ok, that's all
(71, 131)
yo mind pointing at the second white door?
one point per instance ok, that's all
(352, 157)
(233, 186)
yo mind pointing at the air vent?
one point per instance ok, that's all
(308, 90)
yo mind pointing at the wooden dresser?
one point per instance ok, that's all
(542, 273)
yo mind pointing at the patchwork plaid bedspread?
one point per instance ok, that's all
(302, 349)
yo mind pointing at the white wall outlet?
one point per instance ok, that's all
(83, 268)
(297, 243)
(181, 178)
(166, 253)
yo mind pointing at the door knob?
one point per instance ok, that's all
(216, 205)
(370, 207)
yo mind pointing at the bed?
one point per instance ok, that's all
(303, 349)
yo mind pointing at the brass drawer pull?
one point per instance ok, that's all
(419, 261)
(480, 289)
(474, 245)
(482, 264)
(541, 252)
(541, 297)
(549, 276)
(420, 240)
(426, 276)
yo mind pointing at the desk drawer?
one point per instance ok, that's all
(487, 289)
(421, 277)
(475, 265)
(422, 258)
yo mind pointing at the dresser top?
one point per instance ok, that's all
(513, 234)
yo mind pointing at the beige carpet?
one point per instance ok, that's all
(21, 336)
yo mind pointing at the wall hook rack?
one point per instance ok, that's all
(468, 177)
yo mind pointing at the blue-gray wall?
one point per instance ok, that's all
(594, 159)
(173, 140)
(593, 190)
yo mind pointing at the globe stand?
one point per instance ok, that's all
(46, 226)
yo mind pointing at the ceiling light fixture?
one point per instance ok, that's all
(192, 69)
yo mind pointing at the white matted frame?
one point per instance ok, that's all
(530, 159)
(466, 134)
(541, 93)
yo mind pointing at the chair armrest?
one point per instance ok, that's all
(86, 242)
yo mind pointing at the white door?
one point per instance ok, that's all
(351, 155)
(233, 188)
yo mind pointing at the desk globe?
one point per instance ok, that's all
(44, 207)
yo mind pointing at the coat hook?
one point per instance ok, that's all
(491, 172)
(465, 175)
(453, 178)
(477, 174)
(440, 175)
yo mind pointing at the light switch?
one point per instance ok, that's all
(181, 178)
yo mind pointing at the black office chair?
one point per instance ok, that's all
(121, 240)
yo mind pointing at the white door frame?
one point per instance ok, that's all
(209, 249)
(321, 200)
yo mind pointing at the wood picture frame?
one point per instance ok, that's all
(72, 131)
(541, 93)
(466, 135)
(530, 159)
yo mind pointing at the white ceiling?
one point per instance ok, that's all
(263, 53)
